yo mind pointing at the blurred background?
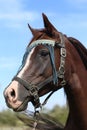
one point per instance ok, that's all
(68, 16)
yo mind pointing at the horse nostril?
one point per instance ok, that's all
(12, 93)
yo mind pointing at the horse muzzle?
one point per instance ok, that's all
(16, 97)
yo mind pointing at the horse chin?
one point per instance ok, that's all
(22, 107)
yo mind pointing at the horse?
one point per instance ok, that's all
(52, 61)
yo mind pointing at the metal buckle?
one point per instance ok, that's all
(63, 83)
(33, 91)
(36, 97)
(61, 72)
(63, 52)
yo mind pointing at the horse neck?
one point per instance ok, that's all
(76, 91)
(77, 109)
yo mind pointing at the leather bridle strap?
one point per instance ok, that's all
(34, 89)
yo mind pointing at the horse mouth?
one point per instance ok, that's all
(23, 106)
(20, 107)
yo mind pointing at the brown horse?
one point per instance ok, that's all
(52, 61)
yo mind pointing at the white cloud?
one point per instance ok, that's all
(19, 16)
(13, 14)
(10, 5)
(16, 20)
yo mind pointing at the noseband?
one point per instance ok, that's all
(34, 89)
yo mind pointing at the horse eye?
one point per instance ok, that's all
(44, 53)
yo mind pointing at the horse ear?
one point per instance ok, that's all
(47, 24)
(34, 31)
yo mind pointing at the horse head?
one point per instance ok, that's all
(42, 68)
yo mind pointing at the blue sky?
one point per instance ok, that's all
(68, 16)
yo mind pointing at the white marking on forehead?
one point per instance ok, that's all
(26, 64)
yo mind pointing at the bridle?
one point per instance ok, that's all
(34, 89)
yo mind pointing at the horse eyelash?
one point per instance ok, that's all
(44, 53)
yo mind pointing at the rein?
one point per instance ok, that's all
(34, 89)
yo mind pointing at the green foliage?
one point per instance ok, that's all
(59, 113)
(9, 118)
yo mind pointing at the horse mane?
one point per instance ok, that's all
(81, 50)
